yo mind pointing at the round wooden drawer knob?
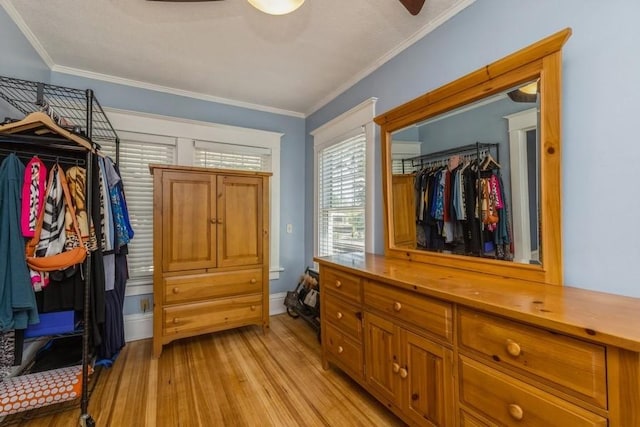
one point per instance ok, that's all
(176, 320)
(397, 306)
(403, 373)
(340, 349)
(516, 412)
(213, 220)
(176, 290)
(339, 315)
(396, 368)
(338, 284)
(513, 348)
(253, 308)
(253, 281)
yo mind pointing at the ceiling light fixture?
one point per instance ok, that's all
(276, 7)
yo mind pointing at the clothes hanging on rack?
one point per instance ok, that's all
(17, 302)
(460, 207)
(33, 191)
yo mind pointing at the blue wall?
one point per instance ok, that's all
(18, 58)
(601, 203)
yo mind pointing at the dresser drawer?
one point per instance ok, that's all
(346, 317)
(347, 352)
(424, 312)
(212, 315)
(468, 420)
(576, 366)
(194, 287)
(512, 402)
(341, 283)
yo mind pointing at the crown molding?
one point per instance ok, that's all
(26, 31)
(429, 27)
(170, 90)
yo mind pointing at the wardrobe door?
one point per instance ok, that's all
(240, 220)
(404, 211)
(188, 221)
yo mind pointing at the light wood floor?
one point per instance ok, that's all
(233, 378)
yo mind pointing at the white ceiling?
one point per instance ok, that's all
(227, 51)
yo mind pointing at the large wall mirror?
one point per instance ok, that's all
(472, 169)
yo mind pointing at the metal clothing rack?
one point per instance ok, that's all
(425, 159)
(79, 112)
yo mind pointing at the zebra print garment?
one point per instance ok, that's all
(53, 236)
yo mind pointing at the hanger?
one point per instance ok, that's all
(41, 123)
(489, 163)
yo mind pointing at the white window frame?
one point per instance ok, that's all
(347, 125)
(404, 150)
(186, 132)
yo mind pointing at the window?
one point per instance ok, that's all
(227, 156)
(137, 151)
(148, 138)
(341, 196)
(403, 150)
(344, 217)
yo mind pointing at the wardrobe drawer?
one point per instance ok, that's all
(341, 283)
(195, 287)
(512, 402)
(346, 317)
(344, 351)
(577, 367)
(212, 315)
(426, 313)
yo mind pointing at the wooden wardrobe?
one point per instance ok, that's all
(210, 251)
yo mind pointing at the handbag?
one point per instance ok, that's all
(64, 259)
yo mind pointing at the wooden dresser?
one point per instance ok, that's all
(445, 347)
(210, 251)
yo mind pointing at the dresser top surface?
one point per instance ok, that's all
(596, 316)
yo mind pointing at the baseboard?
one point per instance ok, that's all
(140, 326)
(276, 303)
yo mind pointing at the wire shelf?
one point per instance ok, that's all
(74, 109)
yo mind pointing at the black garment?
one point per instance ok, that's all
(472, 233)
(113, 340)
(64, 294)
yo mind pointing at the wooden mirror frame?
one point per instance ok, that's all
(540, 60)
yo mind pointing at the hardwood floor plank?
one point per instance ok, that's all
(240, 378)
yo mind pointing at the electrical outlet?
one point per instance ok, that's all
(289, 228)
(144, 305)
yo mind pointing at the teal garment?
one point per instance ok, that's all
(17, 300)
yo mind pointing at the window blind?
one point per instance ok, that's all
(396, 167)
(341, 196)
(135, 156)
(229, 156)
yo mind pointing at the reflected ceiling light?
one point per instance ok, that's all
(530, 88)
(526, 93)
(276, 7)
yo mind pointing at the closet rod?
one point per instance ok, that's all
(46, 157)
(455, 150)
